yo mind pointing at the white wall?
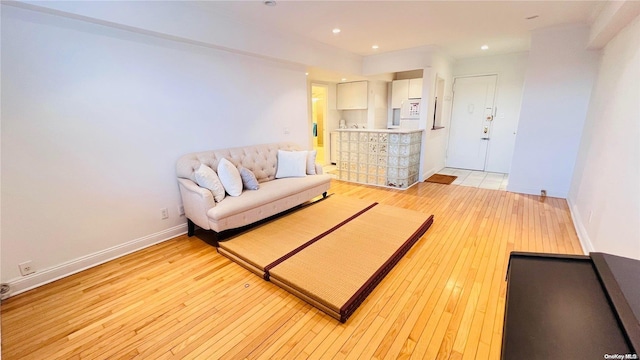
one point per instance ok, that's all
(396, 61)
(333, 115)
(605, 191)
(354, 118)
(612, 16)
(1, 184)
(93, 121)
(206, 26)
(435, 142)
(511, 70)
(558, 83)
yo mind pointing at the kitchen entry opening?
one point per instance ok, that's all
(318, 122)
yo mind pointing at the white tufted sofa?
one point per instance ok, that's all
(273, 197)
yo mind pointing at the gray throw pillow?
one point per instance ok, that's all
(249, 180)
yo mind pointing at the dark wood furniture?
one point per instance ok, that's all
(571, 307)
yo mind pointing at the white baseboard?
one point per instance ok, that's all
(22, 284)
(583, 235)
(530, 191)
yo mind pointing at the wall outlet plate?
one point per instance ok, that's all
(26, 268)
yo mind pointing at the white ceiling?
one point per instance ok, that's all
(458, 28)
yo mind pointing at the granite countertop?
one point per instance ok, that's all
(399, 131)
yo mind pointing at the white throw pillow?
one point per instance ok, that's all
(311, 162)
(291, 164)
(230, 177)
(249, 180)
(208, 179)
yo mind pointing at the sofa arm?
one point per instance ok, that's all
(196, 202)
(319, 169)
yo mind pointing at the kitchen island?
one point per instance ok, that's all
(383, 157)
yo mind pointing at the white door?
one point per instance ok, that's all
(471, 119)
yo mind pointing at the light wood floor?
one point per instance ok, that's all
(180, 299)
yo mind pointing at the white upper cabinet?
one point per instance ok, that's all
(405, 89)
(399, 92)
(352, 96)
(415, 88)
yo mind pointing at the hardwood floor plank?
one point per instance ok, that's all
(448, 292)
(256, 338)
(400, 336)
(506, 228)
(468, 346)
(464, 308)
(181, 299)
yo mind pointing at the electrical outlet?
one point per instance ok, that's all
(181, 210)
(164, 213)
(26, 268)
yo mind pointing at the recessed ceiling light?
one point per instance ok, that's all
(344, 79)
(484, 47)
(336, 31)
(270, 2)
(375, 47)
(307, 74)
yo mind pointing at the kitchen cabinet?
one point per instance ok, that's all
(352, 96)
(405, 89)
(399, 92)
(378, 105)
(415, 88)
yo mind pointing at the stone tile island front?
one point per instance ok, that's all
(389, 158)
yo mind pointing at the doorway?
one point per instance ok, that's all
(318, 121)
(472, 115)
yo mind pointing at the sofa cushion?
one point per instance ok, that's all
(270, 191)
(208, 179)
(230, 177)
(311, 162)
(260, 159)
(249, 180)
(291, 164)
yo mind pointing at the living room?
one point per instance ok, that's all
(99, 101)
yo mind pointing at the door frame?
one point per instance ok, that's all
(453, 98)
(325, 132)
